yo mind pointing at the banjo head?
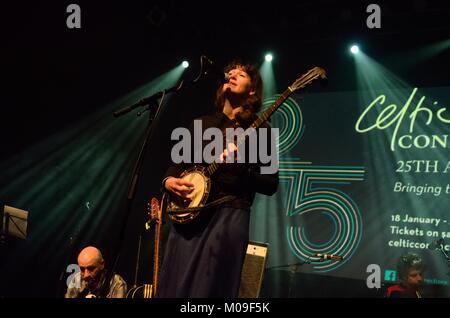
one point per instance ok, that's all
(198, 196)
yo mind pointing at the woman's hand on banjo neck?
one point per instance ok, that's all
(180, 187)
(231, 148)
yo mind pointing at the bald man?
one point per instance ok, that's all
(87, 283)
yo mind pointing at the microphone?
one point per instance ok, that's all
(332, 257)
(213, 69)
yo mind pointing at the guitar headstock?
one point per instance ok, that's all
(154, 212)
(308, 77)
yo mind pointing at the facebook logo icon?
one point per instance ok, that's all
(390, 275)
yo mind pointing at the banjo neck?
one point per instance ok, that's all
(261, 119)
(302, 81)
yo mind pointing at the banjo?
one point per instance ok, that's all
(183, 211)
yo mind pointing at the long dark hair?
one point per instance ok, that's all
(253, 103)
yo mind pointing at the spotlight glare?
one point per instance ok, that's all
(269, 57)
(354, 49)
(185, 64)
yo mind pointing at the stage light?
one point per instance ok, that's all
(185, 64)
(354, 49)
(268, 76)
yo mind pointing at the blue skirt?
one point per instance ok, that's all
(204, 257)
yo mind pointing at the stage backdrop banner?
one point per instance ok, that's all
(364, 175)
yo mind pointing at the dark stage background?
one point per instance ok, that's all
(66, 160)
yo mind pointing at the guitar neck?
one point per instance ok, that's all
(213, 167)
(156, 219)
(156, 255)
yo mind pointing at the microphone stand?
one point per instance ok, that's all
(70, 250)
(294, 268)
(153, 109)
(441, 248)
(150, 104)
(147, 102)
(150, 100)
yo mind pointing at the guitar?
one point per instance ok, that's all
(154, 218)
(183, 211)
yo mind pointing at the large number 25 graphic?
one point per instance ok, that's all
(321, 217)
